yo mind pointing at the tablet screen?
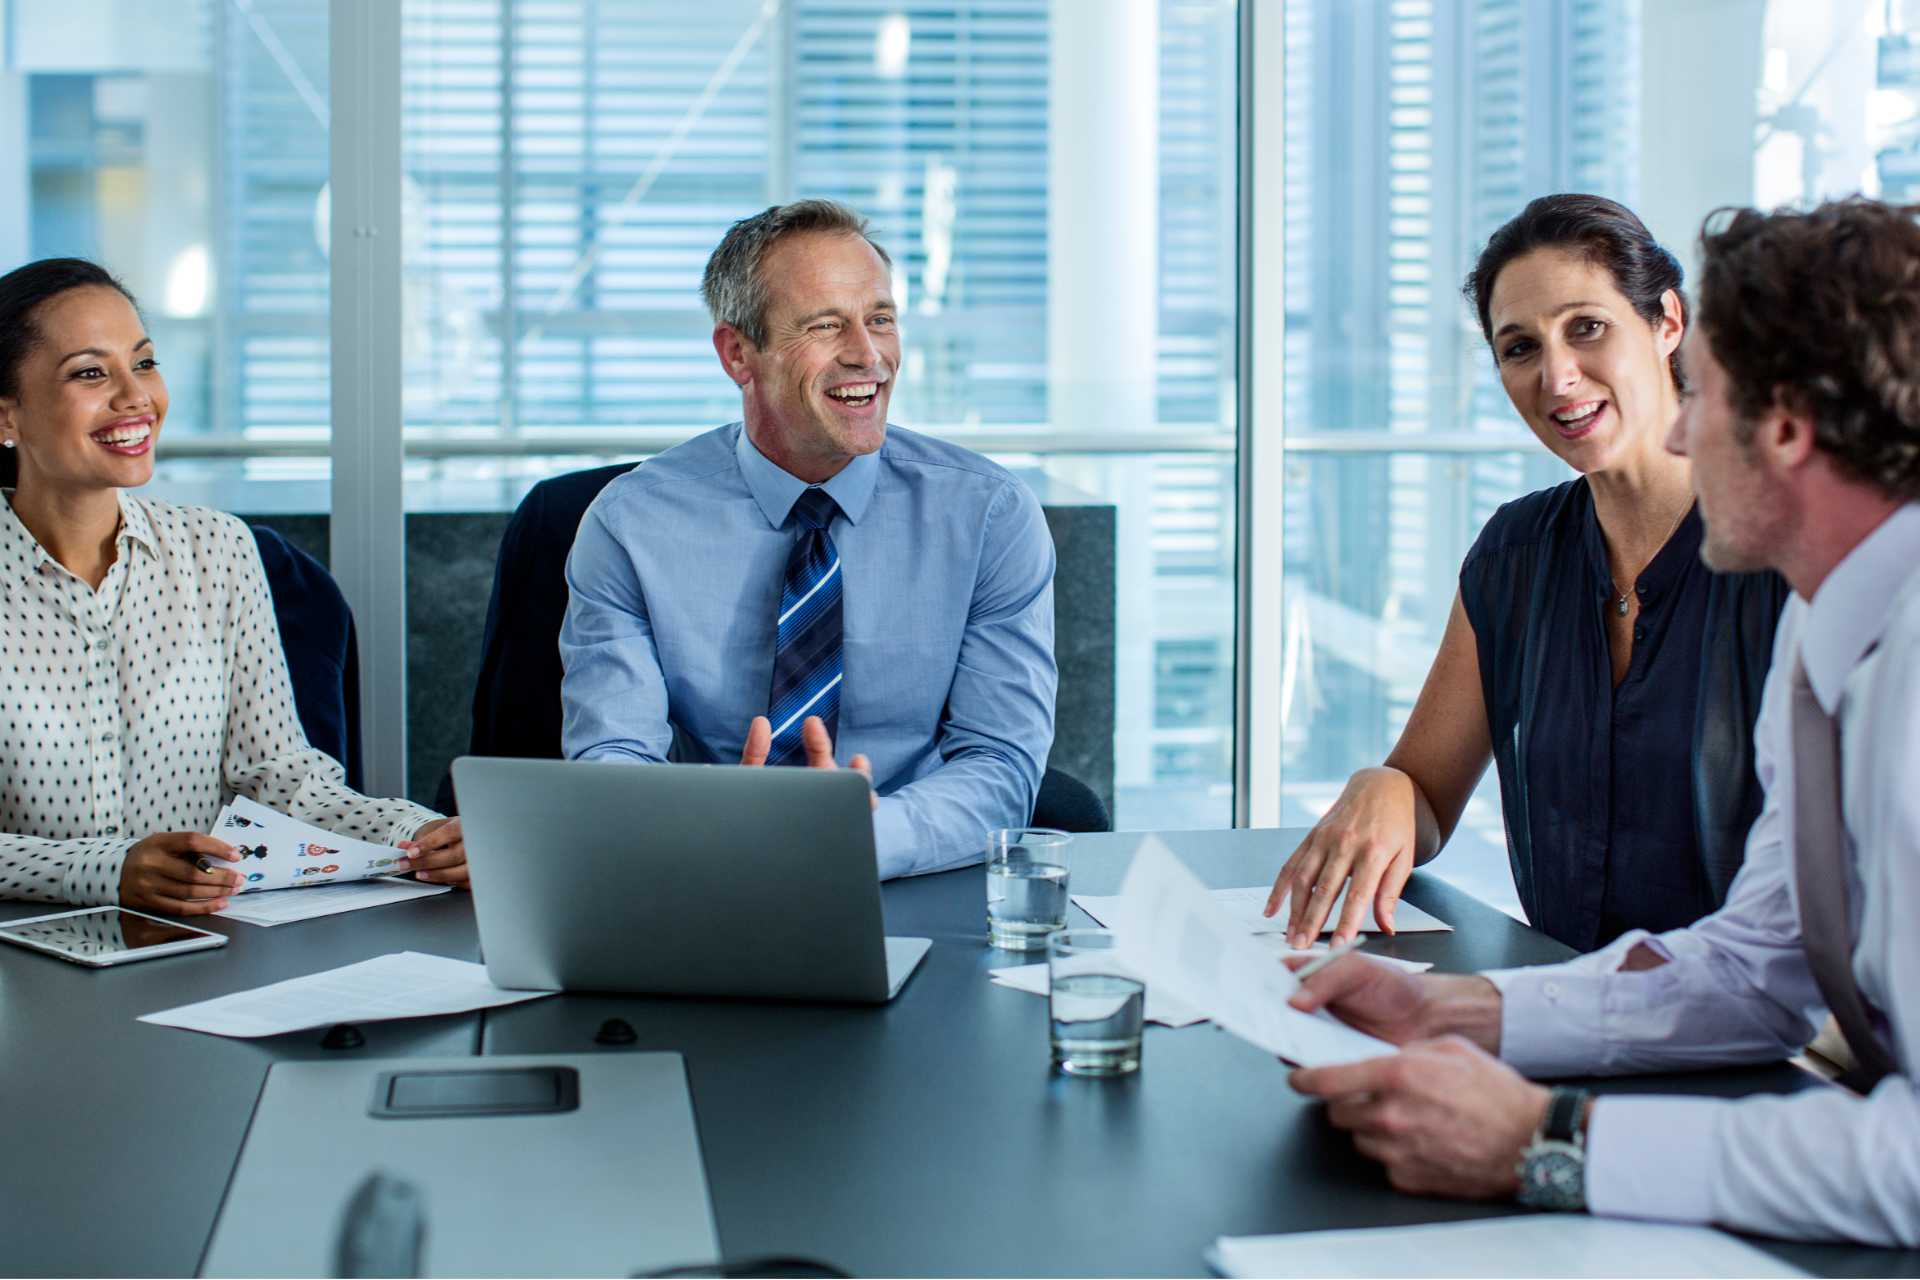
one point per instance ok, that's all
(108, 931)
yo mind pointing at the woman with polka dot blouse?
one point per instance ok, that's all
(141, 675)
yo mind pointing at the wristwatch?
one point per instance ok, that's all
(1553, 1168)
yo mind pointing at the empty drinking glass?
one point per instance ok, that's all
(1095, 1007)
(1026, 886)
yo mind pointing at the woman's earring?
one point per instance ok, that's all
(7, 443)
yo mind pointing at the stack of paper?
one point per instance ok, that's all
(1533, 1245)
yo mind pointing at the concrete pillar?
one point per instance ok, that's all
(1699, 74)
(1103, 223)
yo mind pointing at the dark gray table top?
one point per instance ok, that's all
(924, 1137)
(119, 1135)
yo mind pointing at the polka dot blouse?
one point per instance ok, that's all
(144, 705)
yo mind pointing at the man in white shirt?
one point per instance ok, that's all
(1804, 431)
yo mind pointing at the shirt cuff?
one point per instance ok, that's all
(893, 839)
(1652, 1158)
(409, 827)
(93, 874)
(1549, 1020)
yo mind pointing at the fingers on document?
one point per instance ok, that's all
(1387, 896)
(1284, 881)
(1328, 985)
(1353, 913)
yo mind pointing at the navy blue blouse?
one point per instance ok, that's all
(1626, 806)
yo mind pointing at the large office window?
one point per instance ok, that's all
(570, 165)
(184, 147)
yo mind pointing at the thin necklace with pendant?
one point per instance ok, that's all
(1620, 605)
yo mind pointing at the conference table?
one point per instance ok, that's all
(924, 1137)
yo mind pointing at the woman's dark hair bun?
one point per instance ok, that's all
(1603, 231)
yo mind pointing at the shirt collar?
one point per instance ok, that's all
(21, 553)
(1849, 612)
(776, 490)
(134, 525)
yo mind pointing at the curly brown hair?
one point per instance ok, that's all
(1821, 309)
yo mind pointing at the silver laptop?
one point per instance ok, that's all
(710, 880)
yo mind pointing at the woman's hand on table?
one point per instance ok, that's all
(180, 873)
(1366, 838)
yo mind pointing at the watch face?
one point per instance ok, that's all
(1553, 1176)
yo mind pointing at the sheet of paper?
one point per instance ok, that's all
(278, 852)
(1172, 932)
(1246, 905)
(1557, 1244)
(406, 984)
(325, 900)
(1162, 1007)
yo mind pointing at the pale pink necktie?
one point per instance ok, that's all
(1820, 867)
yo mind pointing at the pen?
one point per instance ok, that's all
(1320, 962)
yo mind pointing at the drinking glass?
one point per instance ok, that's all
(1026, 886)
(1095, 1007)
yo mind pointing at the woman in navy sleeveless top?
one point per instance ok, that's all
(1612, 678)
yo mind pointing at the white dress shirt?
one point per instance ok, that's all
(1824, 1163)
(140, 707)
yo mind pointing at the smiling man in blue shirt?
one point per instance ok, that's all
(811, 580)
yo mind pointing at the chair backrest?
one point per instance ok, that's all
(516, 701)
(323, 654)
(1067, 804)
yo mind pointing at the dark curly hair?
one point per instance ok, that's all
(23, 291)
(1603, 232)
(1823, 308)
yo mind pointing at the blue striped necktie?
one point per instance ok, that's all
(806, 648)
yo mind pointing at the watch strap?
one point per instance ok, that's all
(1562, 1121)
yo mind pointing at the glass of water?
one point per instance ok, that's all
(1095, 1008)
(1026, 886)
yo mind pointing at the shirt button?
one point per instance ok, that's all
(113, 831)
(1639, 633)
(1551, 990)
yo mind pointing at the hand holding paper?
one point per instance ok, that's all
(278, 852)
(1180, 940)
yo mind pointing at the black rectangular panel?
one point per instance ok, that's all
(515, 1091)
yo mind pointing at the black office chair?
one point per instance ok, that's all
(323, 652)
(1067, 804)
(516, 701)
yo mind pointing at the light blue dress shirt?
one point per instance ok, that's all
(674, 586)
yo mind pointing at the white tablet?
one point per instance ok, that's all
(100, 936)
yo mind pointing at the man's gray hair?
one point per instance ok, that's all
(733, 286)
